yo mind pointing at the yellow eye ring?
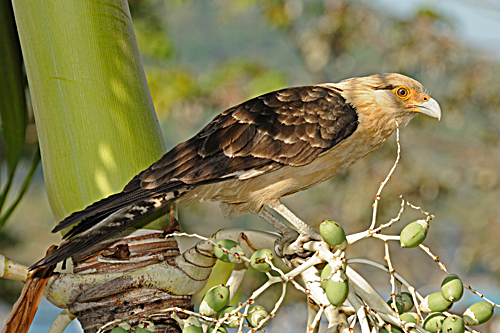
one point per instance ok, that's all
(402, 92)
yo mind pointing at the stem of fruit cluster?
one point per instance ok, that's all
(382, 185)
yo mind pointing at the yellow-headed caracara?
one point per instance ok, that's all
(253, 154)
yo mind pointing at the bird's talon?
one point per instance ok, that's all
(292, 243)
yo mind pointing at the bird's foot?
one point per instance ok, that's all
(292, 243)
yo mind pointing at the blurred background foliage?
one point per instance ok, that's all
(202, 57)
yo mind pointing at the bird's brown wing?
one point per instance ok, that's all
(287, 127)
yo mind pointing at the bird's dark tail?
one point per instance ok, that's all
(105, 223)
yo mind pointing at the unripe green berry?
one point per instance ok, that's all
(119, 329)
(256, 314)
(233, 320)
(325, 274)
(393, 328)
(399, 305)
(453, 324)
(214, 300)
(229, 245)
(339, 276)
(258, 260)
(478, 313)
(337, 292)
(434, 322)
(414, 234)
(452, 288)
(333, 234)
(411, 317)
(192, 325)
(192, 329)
(221, 329)
(435, 303)
(407, 301)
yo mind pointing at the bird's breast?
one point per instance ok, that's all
(241, 195)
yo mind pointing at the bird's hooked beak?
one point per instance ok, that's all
(430, 108)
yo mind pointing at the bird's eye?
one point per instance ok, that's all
(402, 93)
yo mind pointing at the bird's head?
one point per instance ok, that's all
(390, 97)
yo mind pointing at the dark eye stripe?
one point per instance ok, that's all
(387, 87)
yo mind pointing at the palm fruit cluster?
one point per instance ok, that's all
(215, 302)
(435, 304)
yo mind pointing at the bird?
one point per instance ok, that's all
(254, 153)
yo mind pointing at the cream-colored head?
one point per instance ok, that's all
(390, 96)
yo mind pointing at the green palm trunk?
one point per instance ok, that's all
(95, 118)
